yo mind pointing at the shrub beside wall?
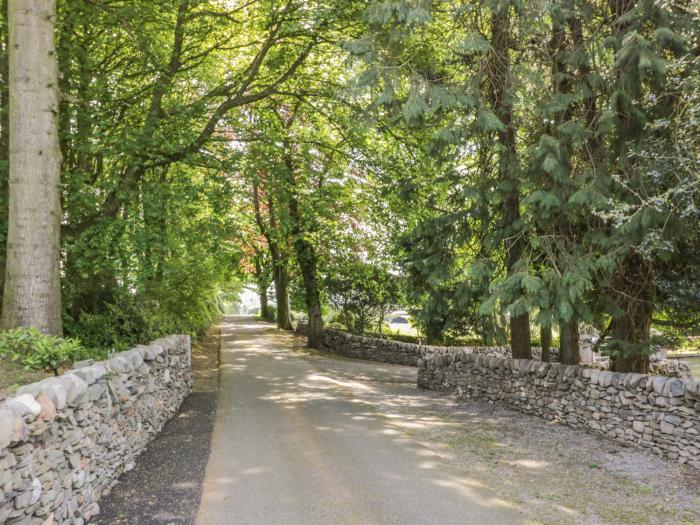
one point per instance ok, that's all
(658, 413)
(65, 440)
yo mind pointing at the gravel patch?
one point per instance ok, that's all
(165, 486)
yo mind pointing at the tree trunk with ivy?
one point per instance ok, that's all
(284, 314)
(308, 263)
(263, 304)
(262, 294)
(280, 273)
(434, 331)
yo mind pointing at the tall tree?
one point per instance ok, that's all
(306, 257)
(277, 248)
(501, 98)
(4, 134)
(262, 274)
(643, 39)
(32, 294)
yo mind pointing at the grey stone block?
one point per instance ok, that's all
(7, 422)
(24, 405)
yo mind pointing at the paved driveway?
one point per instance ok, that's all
(294, 444)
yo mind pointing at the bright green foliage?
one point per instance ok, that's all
(363, 292)
(477, 162)
(592, 103)
(152, 92)
(18, 342)
(40, 352)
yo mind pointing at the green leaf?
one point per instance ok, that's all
(564, 310)
(474, 43)
(531, 283)
(418, 15)
(489, 122)
(543, 199)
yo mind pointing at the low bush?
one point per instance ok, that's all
(139, 318)
(38, 351)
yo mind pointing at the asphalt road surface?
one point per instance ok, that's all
(293, 444)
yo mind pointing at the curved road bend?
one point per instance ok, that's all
(293, 445)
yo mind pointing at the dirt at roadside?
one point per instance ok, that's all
(561, 475)
(205, 360)
(566, 476)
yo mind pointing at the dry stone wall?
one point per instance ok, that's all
(658, 413)
(65, 440)
(382, 350)
(398, 352)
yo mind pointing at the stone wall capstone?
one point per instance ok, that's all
(658, 413)
(65, 440)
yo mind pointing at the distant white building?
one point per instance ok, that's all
(400, 322)
(250, 302)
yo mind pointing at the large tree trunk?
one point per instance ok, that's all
(545, 342)
(284, 315)
(306, 257)
(262, 284)
(4, 134)
(4, 88)
(562, 83)
(262, 294)
(568, 343)
(32, 277)
(508, 165)
(280, 274)
(520, 337)
(313, 300)
(633, 293)
(434, 332)
(632, 285)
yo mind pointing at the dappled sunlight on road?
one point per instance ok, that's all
(335, 382)
(467, 488)
(319, 424)
(362, 435)
(529, 463)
